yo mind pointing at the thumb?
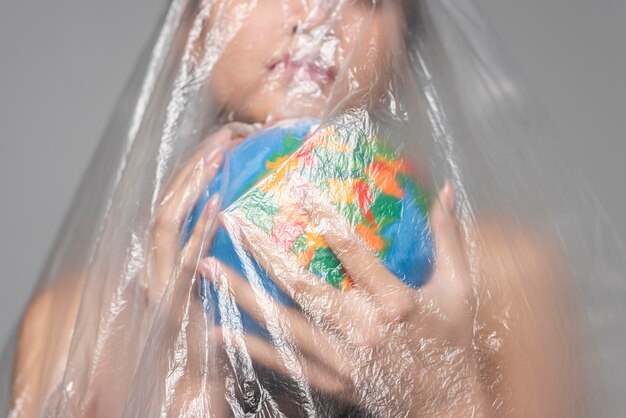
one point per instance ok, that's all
(450, 285)
(443, 224)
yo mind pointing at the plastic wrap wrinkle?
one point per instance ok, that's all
(310, 208)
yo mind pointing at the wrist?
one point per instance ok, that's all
(461, 392)
(472, 401)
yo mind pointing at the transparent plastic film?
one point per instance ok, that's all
(309, 208)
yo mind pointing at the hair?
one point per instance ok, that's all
(412, 10)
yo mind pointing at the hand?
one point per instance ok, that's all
(383, 346)
(199, 388)
(195, 387)
(46, 330)
(181, 194)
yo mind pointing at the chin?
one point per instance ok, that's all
(293, 112)
(276, 107)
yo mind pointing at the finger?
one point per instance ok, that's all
(198, 383)
(363, 265)
(203, 233)
(450, 286)
(177, 206)
(283, 360)
(350, 314)
(241, 129)
(207, 151)
(168, 224)
(167, 228)
(278, 318)
(446, 235)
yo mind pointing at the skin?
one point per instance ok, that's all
(327, 35)
(482, 342)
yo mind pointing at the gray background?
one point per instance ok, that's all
(64, 63)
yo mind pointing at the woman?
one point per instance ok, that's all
(483, 337)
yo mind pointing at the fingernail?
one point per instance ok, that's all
(449, 197)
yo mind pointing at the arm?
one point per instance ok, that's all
(46, 329)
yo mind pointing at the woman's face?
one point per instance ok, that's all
(283, 58)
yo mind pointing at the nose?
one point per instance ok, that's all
(306, 16)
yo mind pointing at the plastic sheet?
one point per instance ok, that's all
(311, 208)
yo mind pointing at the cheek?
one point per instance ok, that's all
(363, 51)
(371, 49)
(235, 71)
(241, 69)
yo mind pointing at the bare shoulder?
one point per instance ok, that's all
(43, 341)
(512, 256)
(50, 303)
(520, 278)
(528, 319)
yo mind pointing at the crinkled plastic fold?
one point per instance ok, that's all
(312, 208)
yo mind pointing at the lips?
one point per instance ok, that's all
(307, 67)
